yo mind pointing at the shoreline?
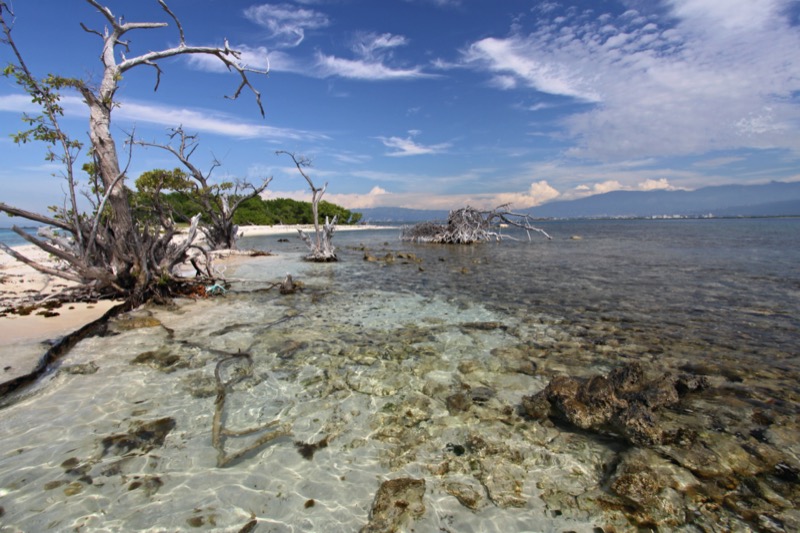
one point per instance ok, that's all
(280, 229)
(27, 337)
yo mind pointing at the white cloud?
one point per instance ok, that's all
(286, 23)
(258, 58)
(656, 185)
(728, 14)
(538, 193)
(18, 103)
(374, 55)
(406, 146)
(190, 119)
(373, 62)
(370, 45)
(375, 197)
(713, 76)
(363, 70)
(515, 60)
(202, 121)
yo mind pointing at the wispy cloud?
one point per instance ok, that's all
(362, 69)
(406, 146)
(256, 57)
(208, 122)
(191, 119)
(286, 23)
(711, 76)
(719, 162)
(376, 46)
(374, 60)
(253, 57)
(517, 60)
(17, 103)
(439, 3)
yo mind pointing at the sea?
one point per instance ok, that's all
(9, 237)
(255, 410)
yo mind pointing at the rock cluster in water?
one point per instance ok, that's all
(623, 403)
(680, 469)
(397, 503)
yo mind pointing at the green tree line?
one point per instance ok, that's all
(253, 212)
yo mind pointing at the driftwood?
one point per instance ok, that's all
(321, 245)
(219, 433)
(468, 225)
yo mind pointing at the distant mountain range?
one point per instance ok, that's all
(771, 199)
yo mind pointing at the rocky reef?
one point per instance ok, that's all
(624, 403)
(678, 468)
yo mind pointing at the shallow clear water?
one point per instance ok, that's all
(365, 360)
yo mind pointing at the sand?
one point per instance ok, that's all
(24, 339)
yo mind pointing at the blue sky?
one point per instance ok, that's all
(441, 103)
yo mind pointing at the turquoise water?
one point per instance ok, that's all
(367, 359)
(10, 238)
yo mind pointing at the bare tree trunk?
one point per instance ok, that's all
(124, 259)
(322, 249)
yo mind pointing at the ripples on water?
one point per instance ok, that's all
(365, 363)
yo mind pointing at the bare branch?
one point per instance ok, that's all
(468, 225)
(61, 254)
(41, 268)
(35, 217)
(177, 22)
(89, 30)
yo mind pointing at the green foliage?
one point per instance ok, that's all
(346, 217)
(44, 93)
(158, 180)
(257, 211)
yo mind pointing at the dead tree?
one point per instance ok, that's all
(211, 199)
(321, 247)
(468, 225)
(107, 251)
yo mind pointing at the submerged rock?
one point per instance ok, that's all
(469, 493)
(141, 438)
(162, 359)
(624, 403)
(516, 359)
(504, 482)
(398, 502)
(80, 369)
(131, 322)
(648, 484)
